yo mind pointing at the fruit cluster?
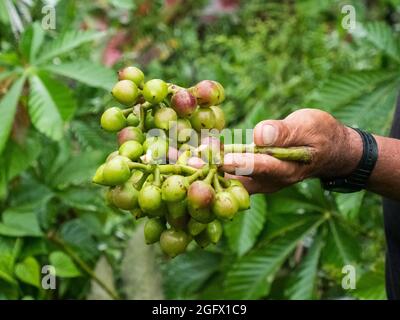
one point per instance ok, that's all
(160, 169)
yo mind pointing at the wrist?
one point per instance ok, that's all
(351, 153)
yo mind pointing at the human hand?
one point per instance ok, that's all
(336, 151)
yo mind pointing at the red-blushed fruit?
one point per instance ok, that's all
(155, 91)
(125, 92)
(174, 242)
(221, 92)
(125, 196)
(153, 229)
(200, 194)
(225, 205)
(207, 93)
(133, 74)
(113, 119)
(116, 171)
(219, 118)
(131, 149)
(184, 103)
(165, 118)
(196, 162)
(214, 231)
(195, 227)
(174, 188)
(173, 154)
(241, 195)
(150, 198)
(130, 133)
(202, 118)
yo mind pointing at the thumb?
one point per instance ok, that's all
(277, 133)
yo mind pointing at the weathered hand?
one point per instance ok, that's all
(336, 150)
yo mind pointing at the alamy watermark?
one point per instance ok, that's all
(350, 278)
(349, 21)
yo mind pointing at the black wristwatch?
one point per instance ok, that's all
(358, 179)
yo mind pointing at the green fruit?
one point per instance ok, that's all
(158, 148)
(165, 118)
(125, 92)
(195, 227)
(214, 231)
(133, 74)
(203, 118)
(149, 121)
(241, 195)
(174, 188)
(200, 194)
(203, 215)
(183, 130)
(150, 198)
(153, 229)
(125, 196)
(131, 149)
(160, 212)
(174, 242)
(177, 216)
(219, 117)
(221, 92)
(132, 120)
(202, 239)
(225, 205)
(137, 213)
(130, 133)
(116, 171)
(155, 91)
(113, 119)
(99, 175)
(112, 155)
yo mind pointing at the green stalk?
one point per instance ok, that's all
(157, 176)
(127, 111)
(225, 183)
(299, 154)
(140, 166)
(210, 175)
(142, 118)
(216, 184)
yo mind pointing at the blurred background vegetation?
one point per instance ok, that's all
(273, 57)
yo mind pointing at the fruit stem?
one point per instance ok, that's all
(199, 173)
(142, 117)
(140, 166)
(127, 111)
(157, 176)
(177, 169)
(225, 183)
(299, 154)
(216, 184)
(210, 175)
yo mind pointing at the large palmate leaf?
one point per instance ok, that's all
(371, 285)
(242, 232)
(65, 43)
(304, 280)
(21, 221)
(382, 36)
(31, 41)
(87, 72)
(251, 276)
(49, 103)
(9, 251)
(8, 107)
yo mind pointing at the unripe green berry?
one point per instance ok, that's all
(133, 74)
(219, 117)
(203, 215)
(138, 213)
(131, 149)
(241, 195)
(125, 196)
(177, 216)
(149, 121)
(150, 198)
(221, 92)
(153, 229)
(195, 227)
(125, 91)
(158, 148)
(225, 205)
(113, 119)
(174, 242)
(132, 120)
(165, 118)
(98, 176)
(202, 239)
(155, 91)
(116, 171)
(174, 188)
(214, 231)
(203, 118)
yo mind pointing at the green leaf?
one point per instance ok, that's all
(349, 204)
(9, 251)
(243, 231)
(43, 108)
(28, 271)
(66, 43)
(20, 221)
(371, 285)
(65, 267)
(193, 268)
(88, 199)
(8, 107)
(251, 276)
(87, 72)
(31, 41)
(304, 280)
(383, 37)
(90, 135)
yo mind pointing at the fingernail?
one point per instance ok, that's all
(228, 159)
(268, 134)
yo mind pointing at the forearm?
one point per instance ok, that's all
(385, 179)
